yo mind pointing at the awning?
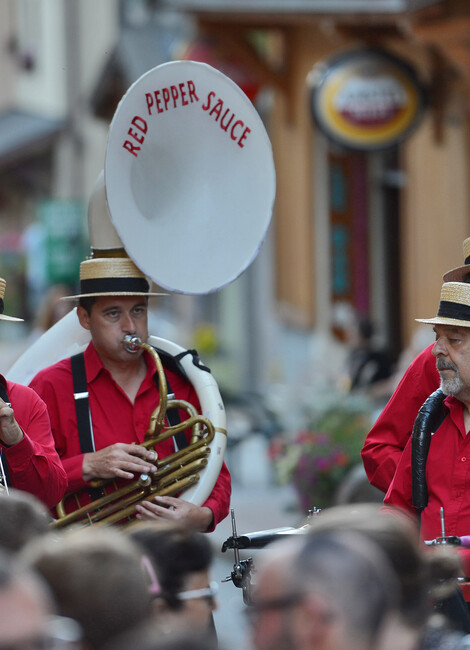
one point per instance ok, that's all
(137, 51)
(302, 6)
(24, 134)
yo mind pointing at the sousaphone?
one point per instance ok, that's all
(187, 191)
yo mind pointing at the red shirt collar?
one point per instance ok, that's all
(452, 402)
(94, 365)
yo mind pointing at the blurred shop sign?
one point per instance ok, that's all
(61, 222)
(366, 99)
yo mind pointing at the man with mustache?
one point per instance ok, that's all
(451, 385)
(386, 440)
(119, 386)
(448, 460)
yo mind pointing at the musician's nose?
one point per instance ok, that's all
(439, 348)
(128, 324)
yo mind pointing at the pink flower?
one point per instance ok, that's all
(322, 463)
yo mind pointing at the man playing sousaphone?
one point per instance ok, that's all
(190, 192)
(28, 460)
(120, 388)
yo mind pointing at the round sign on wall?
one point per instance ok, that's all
(366, 99)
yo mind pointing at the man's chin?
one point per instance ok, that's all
(451, 387)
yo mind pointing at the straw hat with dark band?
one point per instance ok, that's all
(3, 286)
(454, 306)
(112, 276)
(458, 274)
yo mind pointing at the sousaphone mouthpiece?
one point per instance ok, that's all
(132, 343)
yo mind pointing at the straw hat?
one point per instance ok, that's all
(3, 316)
(454, 306)
(112, 276)
(457, 274)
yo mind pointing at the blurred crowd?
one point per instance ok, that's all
(357, 578)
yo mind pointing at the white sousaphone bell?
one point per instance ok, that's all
(188, 191)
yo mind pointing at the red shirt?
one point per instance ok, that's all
(447, 478)
(115, 418)
(387, 438)
(33, 463)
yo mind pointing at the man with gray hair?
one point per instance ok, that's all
(447, 468)
(327, 592)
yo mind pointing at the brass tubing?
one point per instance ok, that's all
(168, 433)
(98, 503)
(181, 454)
(127, 497)
(117, 506)
(158, 481)
(191, 411)
(171, 485)
(173, 470)
(157, 418)
(172, 489)
(197, 454)
(182, 426)
(181, 472)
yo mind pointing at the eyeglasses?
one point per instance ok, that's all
(59, 633)
(252, 612)
(209, 592)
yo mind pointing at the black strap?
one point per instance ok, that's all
(195, 359)
(173, 363)
(6, 471)
(173, 417)
(82, 410)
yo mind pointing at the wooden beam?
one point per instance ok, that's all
(452, 29)
(367, 33)
(235, 40)
(451, 36)
(459, 54)
(438, 92)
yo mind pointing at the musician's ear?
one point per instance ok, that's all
(83, 317)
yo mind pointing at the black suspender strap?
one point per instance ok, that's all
(82, 407)
(173, 363)
(173, 417)
(82, 410)
(3, 461)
